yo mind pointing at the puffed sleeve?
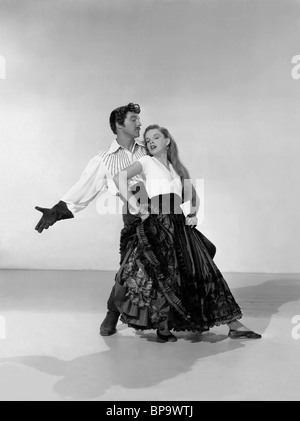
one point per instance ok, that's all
(90, 183)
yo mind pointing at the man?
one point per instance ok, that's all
(124, 150)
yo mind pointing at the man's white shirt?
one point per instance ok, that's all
(99, 172)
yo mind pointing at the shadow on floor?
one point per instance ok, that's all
(131, 362)
(139, 361)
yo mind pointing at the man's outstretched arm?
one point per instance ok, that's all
(77, 198)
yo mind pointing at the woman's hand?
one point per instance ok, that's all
(140, 210)
(144, 216)
(191, 220)
(144, 212)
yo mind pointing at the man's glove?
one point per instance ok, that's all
(50, 216)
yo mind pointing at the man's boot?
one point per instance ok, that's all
(108, 326)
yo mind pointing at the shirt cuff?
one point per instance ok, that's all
(74, 208)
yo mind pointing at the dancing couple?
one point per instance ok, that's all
(167, 279)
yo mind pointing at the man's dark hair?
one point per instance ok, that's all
(119, 115)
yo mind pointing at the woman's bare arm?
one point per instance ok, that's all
(191, 195)
(120, 180)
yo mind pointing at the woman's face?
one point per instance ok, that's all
(156, 142)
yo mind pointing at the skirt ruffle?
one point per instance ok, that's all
(167, 272)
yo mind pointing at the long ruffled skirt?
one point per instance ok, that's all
(166, 272)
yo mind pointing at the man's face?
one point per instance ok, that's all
(132, 125)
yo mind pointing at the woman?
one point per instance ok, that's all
(167, 278)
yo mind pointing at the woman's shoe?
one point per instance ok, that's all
(243, 334)
(166, 338)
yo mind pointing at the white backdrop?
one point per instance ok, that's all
(217, 73)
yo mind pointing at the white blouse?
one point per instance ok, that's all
(160, 180)
(99, 173)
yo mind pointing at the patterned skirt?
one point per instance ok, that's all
(167, 272)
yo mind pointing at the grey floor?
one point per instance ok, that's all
(50, 348)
